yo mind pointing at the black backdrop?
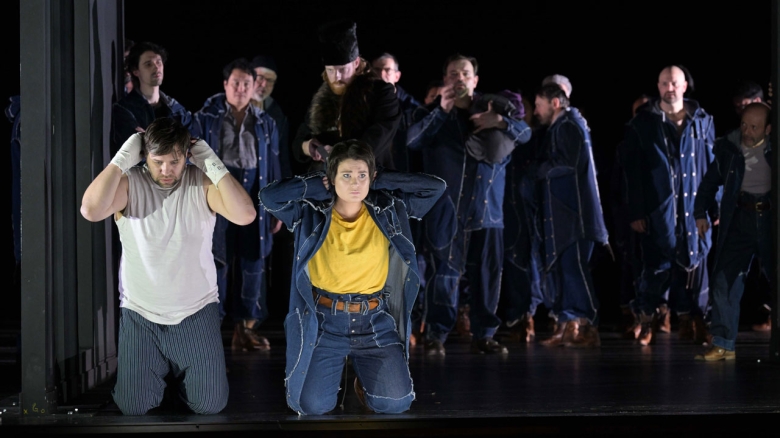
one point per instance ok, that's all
(611, 54)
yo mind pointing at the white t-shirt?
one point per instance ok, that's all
(167, 270)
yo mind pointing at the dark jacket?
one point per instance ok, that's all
(273, 109)
(663, 175)
(727, 170)
(367, 111)
(134, 111)
(305, 206)
(475, 189)
(570, 203)
(207, 125)
(12, 111)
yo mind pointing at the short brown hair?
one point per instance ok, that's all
(166, 136)
(459, 57)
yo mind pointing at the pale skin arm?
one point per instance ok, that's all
(230, 200)
(106, 195)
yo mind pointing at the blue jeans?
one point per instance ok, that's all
(244, 265)
(484, 260)
(570, 275)
(369, 337)
(687, 289)
(749, 234)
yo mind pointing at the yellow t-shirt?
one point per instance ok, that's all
(354, 257)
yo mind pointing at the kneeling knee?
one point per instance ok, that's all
(317, 405)
(384, 405)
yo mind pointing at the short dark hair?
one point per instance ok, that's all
(166, 136)
(747, 90)
(350, 149)
(459, 57)
(239, 64)
(134, 56)
(554, 91)
(388, 56)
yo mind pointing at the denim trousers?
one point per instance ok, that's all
(369, 338)
(749, 234)
(244, 266)
(573, 283)
(484, 262)
(687, 289)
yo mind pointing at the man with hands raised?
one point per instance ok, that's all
(165, 211)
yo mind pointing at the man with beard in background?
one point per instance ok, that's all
(352, 103)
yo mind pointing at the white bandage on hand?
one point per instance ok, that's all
(130, 153)
(204, 157)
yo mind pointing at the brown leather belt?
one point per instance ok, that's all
(346, 306)
(755, 206)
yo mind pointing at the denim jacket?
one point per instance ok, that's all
(570, 202)
(304, 205)
(475, 189)
(727, 170)
(208, 127)
(134, 111)
(664, 176)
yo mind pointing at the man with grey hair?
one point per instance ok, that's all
(562, 82)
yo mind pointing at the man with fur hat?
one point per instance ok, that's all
(352, 103)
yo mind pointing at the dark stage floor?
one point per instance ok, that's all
(618, 390)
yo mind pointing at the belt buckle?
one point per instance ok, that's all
(759, 205)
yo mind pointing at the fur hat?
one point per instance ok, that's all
(338, 42)
(265, 62)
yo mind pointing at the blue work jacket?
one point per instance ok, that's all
(305, 207)
(570, 203)
(475, 189)
(208, 127)
(724, 177)
(663, 172)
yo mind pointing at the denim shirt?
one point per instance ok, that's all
(207, 126)
(726, 170)
(663, 175)
(304, 205)
(134, 111)
(570, 203)
(475, 189)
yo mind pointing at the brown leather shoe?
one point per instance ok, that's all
(645, 336)
(764, 326)
(629, 322)
(245, 339)
(663, 322)
(587, 336)
(463, 323)
(715, 353)
(686, 332)
(522, 330)
(565, 332)
(557, 337)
